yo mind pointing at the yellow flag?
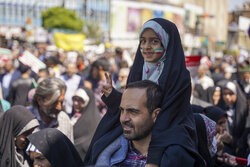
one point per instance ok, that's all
(69, 42)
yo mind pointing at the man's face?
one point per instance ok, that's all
(53, 109)
(136, 121)
(21, 141)
(71, 69)
(246, 77)
(122, 77)
(8, 65)
(78, 103)
(39, 160)
(221, 125)
(229, 97)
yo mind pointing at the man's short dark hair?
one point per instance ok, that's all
(118, 51)
(23, 68)
(153, 91)
(44, 70)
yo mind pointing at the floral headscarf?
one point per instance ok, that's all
(210, 128)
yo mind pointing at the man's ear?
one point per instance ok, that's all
(155, 113)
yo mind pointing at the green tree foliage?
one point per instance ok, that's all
(93, 31)
(62, 18)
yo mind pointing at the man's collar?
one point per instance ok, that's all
(132, 149)
(53, 123)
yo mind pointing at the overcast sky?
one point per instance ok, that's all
(233, 4)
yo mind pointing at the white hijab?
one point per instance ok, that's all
(152, 71)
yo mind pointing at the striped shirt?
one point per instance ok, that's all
(134, 158)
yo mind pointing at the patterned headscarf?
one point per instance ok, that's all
(210, 128)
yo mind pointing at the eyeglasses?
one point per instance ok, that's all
(79, 99)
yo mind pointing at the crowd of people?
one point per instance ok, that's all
(103, 110)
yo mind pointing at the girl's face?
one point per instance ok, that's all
(216, 97)
(151, 47)
(21, 141)
(39, 160)
(229, 97)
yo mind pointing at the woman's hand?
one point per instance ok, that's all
(228, 159)
(106, 88)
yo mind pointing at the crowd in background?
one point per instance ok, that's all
(220, 90)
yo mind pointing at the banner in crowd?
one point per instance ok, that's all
(69, 42)
(32, 61)
(4, 54)
(134, 20)
(192, 63)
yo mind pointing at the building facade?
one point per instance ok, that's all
(17, 12)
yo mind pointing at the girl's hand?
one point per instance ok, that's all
(106, 88)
